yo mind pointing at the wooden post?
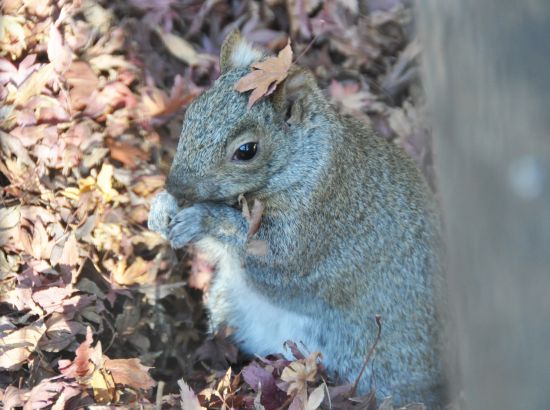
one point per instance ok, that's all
(486, 69)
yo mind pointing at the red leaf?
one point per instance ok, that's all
(81, 366)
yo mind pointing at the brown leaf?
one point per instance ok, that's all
(9, 222)
(69, 256)
(126, 153)
(11, 145)
(51, 299)
(61, 333)
(59, 53)
(139, 272)
(41, 247)
(83, 81)
(34, 84)
(18, 345)
(268, 74)
(130, 372)
(178, 47)
(254, 216)
(13, 397)
(298, 373)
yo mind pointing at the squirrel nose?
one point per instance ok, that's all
(180, 190)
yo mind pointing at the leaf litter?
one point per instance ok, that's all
(95, 309)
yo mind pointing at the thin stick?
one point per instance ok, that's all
(310, 44)
(371, 351)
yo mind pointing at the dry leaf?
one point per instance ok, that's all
(82, 365)
(129, 372)
(34, 84)
(298, 373)
(316, 398)
(139, 272)
(268, 74)
(51, 299)
(18, 345)
(103, 386)
(254, 216)
(59, 53)
(126, 153)
(178, 47)
(9, 222)
(189, 400)
(83, 81)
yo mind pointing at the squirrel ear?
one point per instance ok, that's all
(237, 52)
(290, 97)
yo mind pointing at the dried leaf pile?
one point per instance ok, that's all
(94, 308)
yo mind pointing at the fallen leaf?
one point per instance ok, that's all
(178, 47)
(189, 400)
(266, 76)
(18, 345)
(69, 256)
(13, 397)
(126, 153)
(103, 386)
(316, 398)
(82, 365)
(9, 222)
(139, 272)
(59, 53)
(51, 299)
(34, 84)
(298, 373)
(83, 81)
(130, 372)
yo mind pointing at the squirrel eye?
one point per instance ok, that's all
(245, 152)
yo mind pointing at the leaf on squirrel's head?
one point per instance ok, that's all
(266, 76)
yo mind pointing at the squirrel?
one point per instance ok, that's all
(351, 230)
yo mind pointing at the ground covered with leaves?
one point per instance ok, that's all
(94, 308)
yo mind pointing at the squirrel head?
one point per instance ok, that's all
(226, 149)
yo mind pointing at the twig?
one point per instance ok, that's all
(158, 401)
(310, 44)
(371, 351)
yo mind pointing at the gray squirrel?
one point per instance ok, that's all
(351, 230)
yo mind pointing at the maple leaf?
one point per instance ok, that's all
(268, 74)
(298, 373)
(81, 366)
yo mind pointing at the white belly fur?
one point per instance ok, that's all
(260, 327)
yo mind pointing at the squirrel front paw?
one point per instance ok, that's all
(163, 209)
(196, 222)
